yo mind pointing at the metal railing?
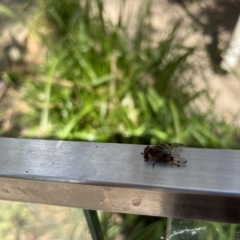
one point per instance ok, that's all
(114, 177)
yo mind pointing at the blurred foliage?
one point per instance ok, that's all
(33, 221)
(131, 227)
(8, 12)
(101, 84)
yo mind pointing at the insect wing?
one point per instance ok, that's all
(170, 145)
(166, 151)
(166, 148)
(177, 161)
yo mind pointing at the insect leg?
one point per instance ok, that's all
(170, 158)
(172, 162)
(145, 158)
(154, 163)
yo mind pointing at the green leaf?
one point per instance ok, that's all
(176, 119)
(10, 13)
(62, 134)
(154, 100)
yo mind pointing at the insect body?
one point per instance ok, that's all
(168, 147)
(162, 152)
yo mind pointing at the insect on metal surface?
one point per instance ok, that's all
(163, 152)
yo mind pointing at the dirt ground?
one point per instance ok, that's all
(213, 22)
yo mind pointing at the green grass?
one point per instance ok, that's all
(100, 84)
(8, 12)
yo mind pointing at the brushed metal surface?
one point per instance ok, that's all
(114, 177)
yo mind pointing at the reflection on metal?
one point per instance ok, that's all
(195, 229)
(114, 177)
(184, 232)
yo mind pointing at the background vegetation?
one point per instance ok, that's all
(98, 83)
(101, 81)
